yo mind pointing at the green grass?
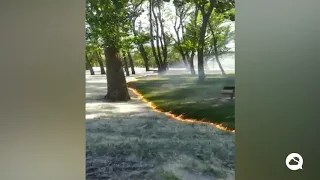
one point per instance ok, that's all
(183, 94)
(167, 175)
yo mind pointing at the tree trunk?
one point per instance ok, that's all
(88, 64)
(158, 42)
(91, 69)
(191, 59)
(201, 73)
(158, 45)
(144, 56)
(184, 59)
(154, 53)
(117, 85)
(125, 62)
(176, 30)
(100, 63)
(219, 64)
(215, 49)
(163, 41)
(193, 72)
(205, 20)
(216, 53)
(182, 53)
(131, 63)
(141, 48)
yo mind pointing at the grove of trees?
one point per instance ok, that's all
(122, 34)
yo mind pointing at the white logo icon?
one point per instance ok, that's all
(294, 161)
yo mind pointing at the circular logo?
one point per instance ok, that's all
(294, 161)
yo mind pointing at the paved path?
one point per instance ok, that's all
(130, 141)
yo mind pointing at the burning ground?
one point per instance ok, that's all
(131, 141)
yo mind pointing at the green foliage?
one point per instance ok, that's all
(112, 23)
(108, 19)
(142, 37)
(226, 7)
(217, 32)
(138, 60)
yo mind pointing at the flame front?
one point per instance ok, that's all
(177, 117)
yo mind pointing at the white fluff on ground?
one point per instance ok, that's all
(130, 141)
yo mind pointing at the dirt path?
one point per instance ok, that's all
(130, 141)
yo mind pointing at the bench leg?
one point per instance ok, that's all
(232, 95)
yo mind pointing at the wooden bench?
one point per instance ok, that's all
(229, 90)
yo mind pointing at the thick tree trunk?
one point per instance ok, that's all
(117, 85)
(100, 63)
(131, 63)
(125, 63)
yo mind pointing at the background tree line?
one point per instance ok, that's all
(122, 34)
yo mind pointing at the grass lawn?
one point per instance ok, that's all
(183, 94)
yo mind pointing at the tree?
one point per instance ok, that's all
(226, 7)
(131, 63)
(94, 54)
(93, 48)
(125, 64)
(219, 34)
(161, 35)
(181, 13)
(152, 38)
(140, 38)
(89, 66)
(206, 9)
(99, 58)
(191, 39)
(109, 19)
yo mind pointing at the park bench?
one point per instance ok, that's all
(230, 90)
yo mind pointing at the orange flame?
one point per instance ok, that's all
(177, 117)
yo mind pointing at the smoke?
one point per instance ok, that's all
(211, 67)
